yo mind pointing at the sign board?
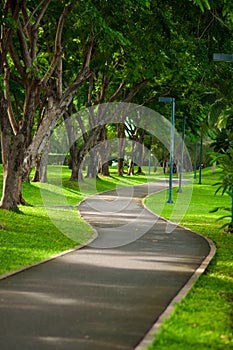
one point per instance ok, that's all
(165, 99)
(223, 57)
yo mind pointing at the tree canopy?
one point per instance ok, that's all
(57, 57)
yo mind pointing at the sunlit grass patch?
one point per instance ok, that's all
(204, 318)
(28, 237)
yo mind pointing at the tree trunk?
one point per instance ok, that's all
(105, 169)
(41, 137)
(121, 148)
(140, 149)
(41, 166)
(92, 172)
(131, 168)
(75, 156)
(12, 179)
(104, 153)
(131, 164)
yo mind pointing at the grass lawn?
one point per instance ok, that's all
(204, 319)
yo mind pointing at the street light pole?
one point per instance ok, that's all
(200, 169)
(172, 101)
(182, 155)
(195, 161)
(149, 162)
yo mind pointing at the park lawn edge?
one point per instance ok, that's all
(189, 327)
(28, 237)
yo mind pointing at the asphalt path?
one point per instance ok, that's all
(108, 295)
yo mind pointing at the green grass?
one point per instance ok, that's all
(204, 319)
(35, 233)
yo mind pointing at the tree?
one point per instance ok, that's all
(9, 15)
(130, 51)
(27, 66)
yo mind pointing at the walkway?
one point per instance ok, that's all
(105, 296)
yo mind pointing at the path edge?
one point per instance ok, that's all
(151, 334)
(50, 258)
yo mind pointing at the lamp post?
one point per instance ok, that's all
(201, 154)
(182, 153)
(172, 101)
(195, 161)
(149, 161)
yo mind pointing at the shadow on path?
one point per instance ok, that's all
(105, 296)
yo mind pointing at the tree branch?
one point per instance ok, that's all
(57, 45)
(133, 92)
(84, 73)
(7, 94)
(105, 83)
(90, 89)
(25, 52)
(16, 59)
(117, 93)
(40, 16)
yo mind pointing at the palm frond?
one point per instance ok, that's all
(216, 109)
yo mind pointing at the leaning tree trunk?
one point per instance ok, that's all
(41, 137)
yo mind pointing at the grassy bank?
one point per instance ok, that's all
(204, 319)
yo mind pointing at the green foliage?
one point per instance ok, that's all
(202, 4)
(225, 161)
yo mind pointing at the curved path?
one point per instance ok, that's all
(108, 295)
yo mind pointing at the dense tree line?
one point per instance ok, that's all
(57, 57)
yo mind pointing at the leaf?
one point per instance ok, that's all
(220, 208)
(215, 111)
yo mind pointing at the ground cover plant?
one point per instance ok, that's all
(204, 319)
